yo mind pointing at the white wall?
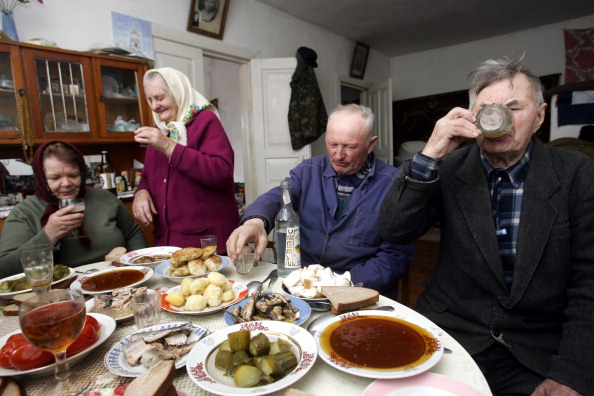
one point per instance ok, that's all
(445, 69)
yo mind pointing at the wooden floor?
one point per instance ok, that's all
(424, 260)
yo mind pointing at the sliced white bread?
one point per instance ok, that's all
(347, 298)
(115, 254)
(157, 381)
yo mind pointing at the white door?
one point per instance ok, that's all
(271, 151)
(185, 58)
(379, 99)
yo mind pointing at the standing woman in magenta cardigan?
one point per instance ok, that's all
(187, 186)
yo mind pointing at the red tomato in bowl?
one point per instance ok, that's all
(93, 322)
(87, 337)
(12, 343)
(27, 357)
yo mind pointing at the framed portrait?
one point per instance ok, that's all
(359, 60)
(208, 17)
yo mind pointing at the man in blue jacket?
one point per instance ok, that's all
(337, 197)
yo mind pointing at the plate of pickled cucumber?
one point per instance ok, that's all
(17, 284)
(254, 358)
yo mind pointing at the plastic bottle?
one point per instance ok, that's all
(106, 173)
(286, 225)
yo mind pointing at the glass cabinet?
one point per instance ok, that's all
(9, 93)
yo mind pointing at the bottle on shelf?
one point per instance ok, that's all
(286, 225)
(106, 173)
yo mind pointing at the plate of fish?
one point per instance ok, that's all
(108, 326)
(136, 353)
(117, 304)
(148, 256)
(164, 269)
(17, 284)
(239, 291)
(107, 280)
(378, 344)
(277, 307)
(203, 370)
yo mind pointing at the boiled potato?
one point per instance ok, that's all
(227, 286)
(198, 285)
(213, 295)
(227, 296)
(217, 278)
(195, 302)
(176, 298)
(185, 286)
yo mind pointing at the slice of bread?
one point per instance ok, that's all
(347, 298)
(19, 298)
(157, 381)
(9, 387)
(115, 254)
(11, 310)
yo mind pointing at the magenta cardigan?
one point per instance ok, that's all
(193, 192)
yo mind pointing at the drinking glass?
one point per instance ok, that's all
(38, 266)
(208, 240)
(245, 262)
(79, 205)
(52, 321)
(146, 308)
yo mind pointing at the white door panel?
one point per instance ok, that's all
(185, 58)
(379, 99)
(272, 152)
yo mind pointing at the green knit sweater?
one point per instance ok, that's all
(107, 223)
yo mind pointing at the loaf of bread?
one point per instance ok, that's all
(345, 298)
(115, 254)
(157, 381)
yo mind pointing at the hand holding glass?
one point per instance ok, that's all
(38, 266)
(79, 207)
(52, 321)
(246, 260)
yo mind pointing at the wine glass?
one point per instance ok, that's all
(79, 205)
(52, 321)
(38, 266)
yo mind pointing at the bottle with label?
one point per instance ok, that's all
(106, 173)
(286, 225)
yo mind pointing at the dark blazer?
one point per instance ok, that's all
(547, 318)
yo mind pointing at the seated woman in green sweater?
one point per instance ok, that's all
(60, 173)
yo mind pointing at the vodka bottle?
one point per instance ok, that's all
(286, 225)
(106, 173)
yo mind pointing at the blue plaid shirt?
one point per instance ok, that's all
(506, 187)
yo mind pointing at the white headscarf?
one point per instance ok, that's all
(188, 100)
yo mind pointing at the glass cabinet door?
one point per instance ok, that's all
(9, 121)
(62, 96)
(121, 98)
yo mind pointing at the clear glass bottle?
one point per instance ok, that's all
(106, 173)
(286, 226)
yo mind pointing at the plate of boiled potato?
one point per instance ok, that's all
(204, 295)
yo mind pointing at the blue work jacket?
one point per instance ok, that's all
(350, 244)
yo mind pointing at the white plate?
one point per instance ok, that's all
(116, 363)
(240, 293)
(304, 310)
(22, 275)
(426, 384)
(108, 325)
(118, 316)
(433, 345)
(201, 358)
(130, 257)
(110, 85)
(77, 284)
(162, 269)
(322, 299)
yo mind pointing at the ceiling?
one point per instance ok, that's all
(400, 27)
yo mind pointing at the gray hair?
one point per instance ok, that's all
(492, 71)
(365, 112)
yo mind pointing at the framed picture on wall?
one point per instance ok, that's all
(359, 60)
(208, 17)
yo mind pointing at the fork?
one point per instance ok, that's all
(272, 277)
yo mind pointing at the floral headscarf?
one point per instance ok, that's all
(188, 100)
(43, 191)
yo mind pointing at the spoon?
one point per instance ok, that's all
(319, 322)
(254, 286)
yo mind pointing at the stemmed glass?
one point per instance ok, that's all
(79, 205)
(38, 266)
(52, 321)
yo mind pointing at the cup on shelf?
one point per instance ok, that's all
(38, 266)
(146, 308)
